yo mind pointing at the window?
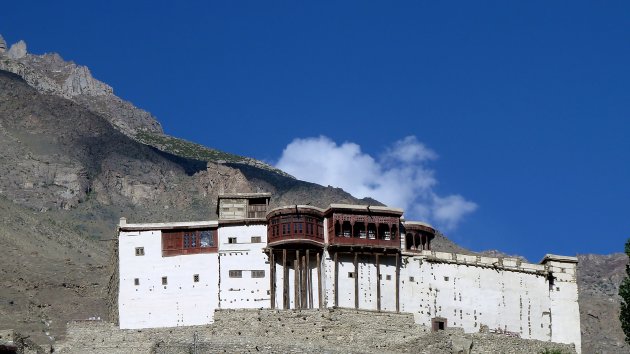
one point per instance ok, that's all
(388, 277)
(231, 239)
(350, 274)
(136, 282)
(411, 279)
(438, 324)
(206, 239)
(236, 274)
(196, 278)
(139, 251)
(258, 273)
(446, 278)
(164, 281)
(256, 239)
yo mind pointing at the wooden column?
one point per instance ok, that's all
(378, 283)
(319, 281)
(356, 280)
(272, 278)
(285, 280)
(303, 291)
(309, 279)
(336, 280)
(296, 278)
(397, 282)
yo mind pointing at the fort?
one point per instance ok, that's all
(344, 257)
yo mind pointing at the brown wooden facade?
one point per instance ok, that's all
(295, 225)
(418, 236)
(189, 241)
(347, 227)
(295, 236)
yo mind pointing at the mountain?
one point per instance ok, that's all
(75, 158)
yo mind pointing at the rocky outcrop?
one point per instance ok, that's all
(3, 45)
(50, 74)
(599, 277)
(17, 50)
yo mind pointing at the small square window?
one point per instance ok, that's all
(388, 277)
(139, 251)
(196, 278)
(258, 273)
(164, 280)
(136, 281)
(446, 278)
(231, 239)
(236, 274)
(411, 279)
(256, 239)
(350, 274)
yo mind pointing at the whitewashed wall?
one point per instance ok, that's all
(508, 298)
(468, 291)
(565, 309)
(182, 302)
(245, 292)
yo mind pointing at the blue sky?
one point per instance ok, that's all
(525, 105)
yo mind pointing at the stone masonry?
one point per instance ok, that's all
(294, 331)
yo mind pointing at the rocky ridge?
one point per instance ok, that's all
(51, 74)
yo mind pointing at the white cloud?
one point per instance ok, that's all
(398, 178)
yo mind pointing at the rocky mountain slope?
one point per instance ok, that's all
(74, 158)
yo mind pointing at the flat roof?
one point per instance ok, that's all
(558, 258)
(299, 206)
(366, 208)
(419, 223)
(242, 221)
(124, 226)
(244, 195)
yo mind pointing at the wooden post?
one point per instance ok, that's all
(296, 278)
(336, 280)
(296, 284)
(309, 279)
(356, 280)
(319, 281)
(272, 278)
(285, 280)
(304, 298)
(397, 282)
(378, 283)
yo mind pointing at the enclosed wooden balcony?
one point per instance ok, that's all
(295, 225)
(363, 226)
(418, 236)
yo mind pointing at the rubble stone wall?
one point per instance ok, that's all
(305, 331)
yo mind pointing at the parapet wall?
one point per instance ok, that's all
(567, 266)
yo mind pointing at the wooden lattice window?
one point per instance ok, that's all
(189, 241)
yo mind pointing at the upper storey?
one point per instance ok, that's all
(243, 206)
(297, 224)
(418, 236)
(174, 238)
(361, 225)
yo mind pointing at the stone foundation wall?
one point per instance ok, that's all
(306, 331)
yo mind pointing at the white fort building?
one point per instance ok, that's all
(349, 256)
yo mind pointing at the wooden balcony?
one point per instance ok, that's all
(295, 225)
(380, 231)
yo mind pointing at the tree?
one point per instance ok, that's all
(624, 292)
